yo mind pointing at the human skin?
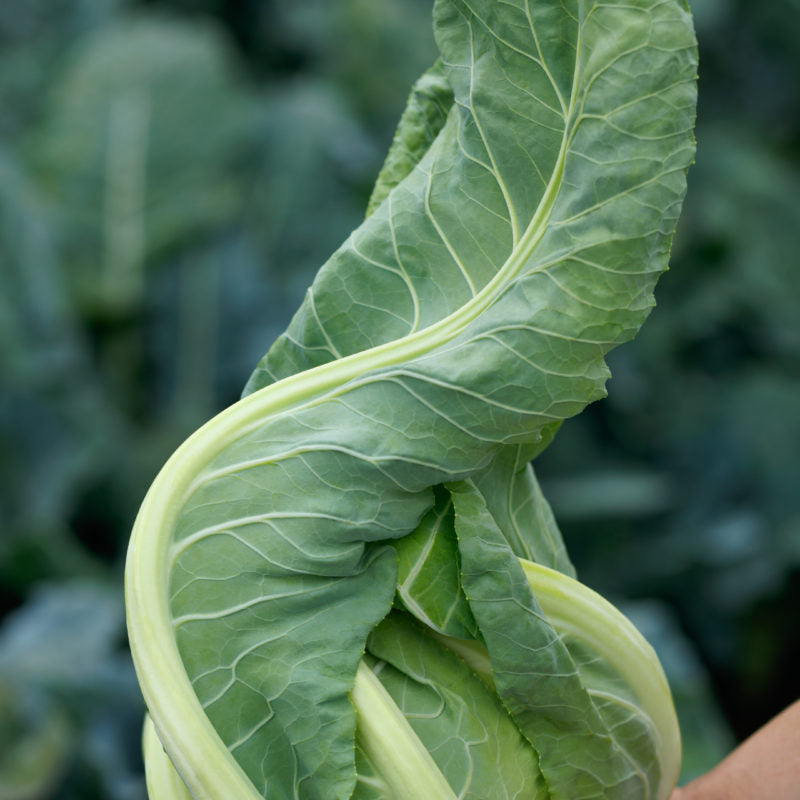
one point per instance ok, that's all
(764, 767)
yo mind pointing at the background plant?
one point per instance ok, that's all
(679, 489)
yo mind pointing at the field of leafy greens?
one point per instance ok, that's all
(513, 238)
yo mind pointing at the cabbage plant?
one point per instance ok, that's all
(348, 584)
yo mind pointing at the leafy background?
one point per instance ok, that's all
(172, 174)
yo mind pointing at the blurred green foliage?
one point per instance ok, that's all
(172, 174)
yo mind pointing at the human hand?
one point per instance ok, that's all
(764, 767)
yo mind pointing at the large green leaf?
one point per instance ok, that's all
(447, 338)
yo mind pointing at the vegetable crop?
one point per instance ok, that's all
(348, 584)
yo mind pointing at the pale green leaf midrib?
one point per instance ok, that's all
(316, 385)
(389, 741)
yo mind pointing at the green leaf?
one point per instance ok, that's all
(571, 695)
(455, 714)
(426, 112)
(428, 579)
(113, 149)
(519, 508)
(463, 320)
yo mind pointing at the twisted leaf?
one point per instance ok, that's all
(515, 237)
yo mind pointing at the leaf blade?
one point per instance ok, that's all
(469, 314)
